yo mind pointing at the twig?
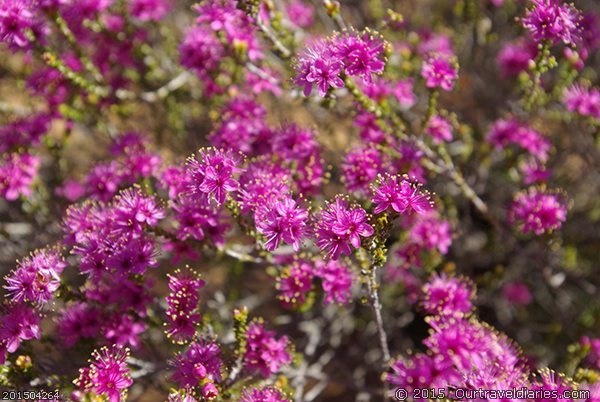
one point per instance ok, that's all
(432, 160)
(285, 52)
(235, 371)
(16, 109)
(161, 93)
(241, 256)
(372, 286)
(261, 73)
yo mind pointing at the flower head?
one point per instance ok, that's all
(123, 330)
(360, 167)
(439, 72)
(582, 100)
(265, 353)
(593, 356)
(317, 66)
(36, 278)
(294, 283)
(516, 293)
(201, 360)
(447, 296)
(552, 20)
(400, 194)
(537, 211)
(404, 93)
(515, 57)
(17, 172)
(439, 128)
(336, 281)
(19, 323)
(510, 131)
(431, 232)
(78, 320)
(182, 304)
(200, 50)
(16, 18)
(132, 211)
(212, 173)
(422, 371)
(360, 55)
(268, 394)
(149, 10)
(108, 374)
(282, 220)
(340, 226)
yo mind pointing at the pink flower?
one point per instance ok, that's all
(433, 43)
(401, 195)
(360, 55)
(19, 323)
(422, 371)
(323, 73)
(533, 171)
(122, 330)
(268, 394)
(212, 173)
(537, 211)
(182, 305)
(515, 57)
(77, 321)
(149, 10)
(439, 72)
(282, 220)
(552, 20)
(132, 210)
(516, 293)
(336, 281)
(265, 353)
(593, 356)
(200, 50)
(469, 345)
(16, 18)
(199, 361)
(360, 167)
(301, 13)
(36, 278)
(17, 172)
(404, 93)
(439, 128)
(340, 226)
(582, 100)
(447, 296)
(294, 283)
(504, 132)
(108, 374)
(209, 391)
(430, 232)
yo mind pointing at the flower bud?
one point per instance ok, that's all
(209, 391)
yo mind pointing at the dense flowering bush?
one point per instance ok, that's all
(299, 200)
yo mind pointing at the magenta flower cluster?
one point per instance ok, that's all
(401, 195)
(538, 211)
(325, 63)
(340, 226)
(107, 374)
(198, 227)
(553, 21)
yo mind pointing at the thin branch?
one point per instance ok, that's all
(241, 256)
(261, 73)
(375, 304)
(161, 93)
(431, 159)
(285, 52)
